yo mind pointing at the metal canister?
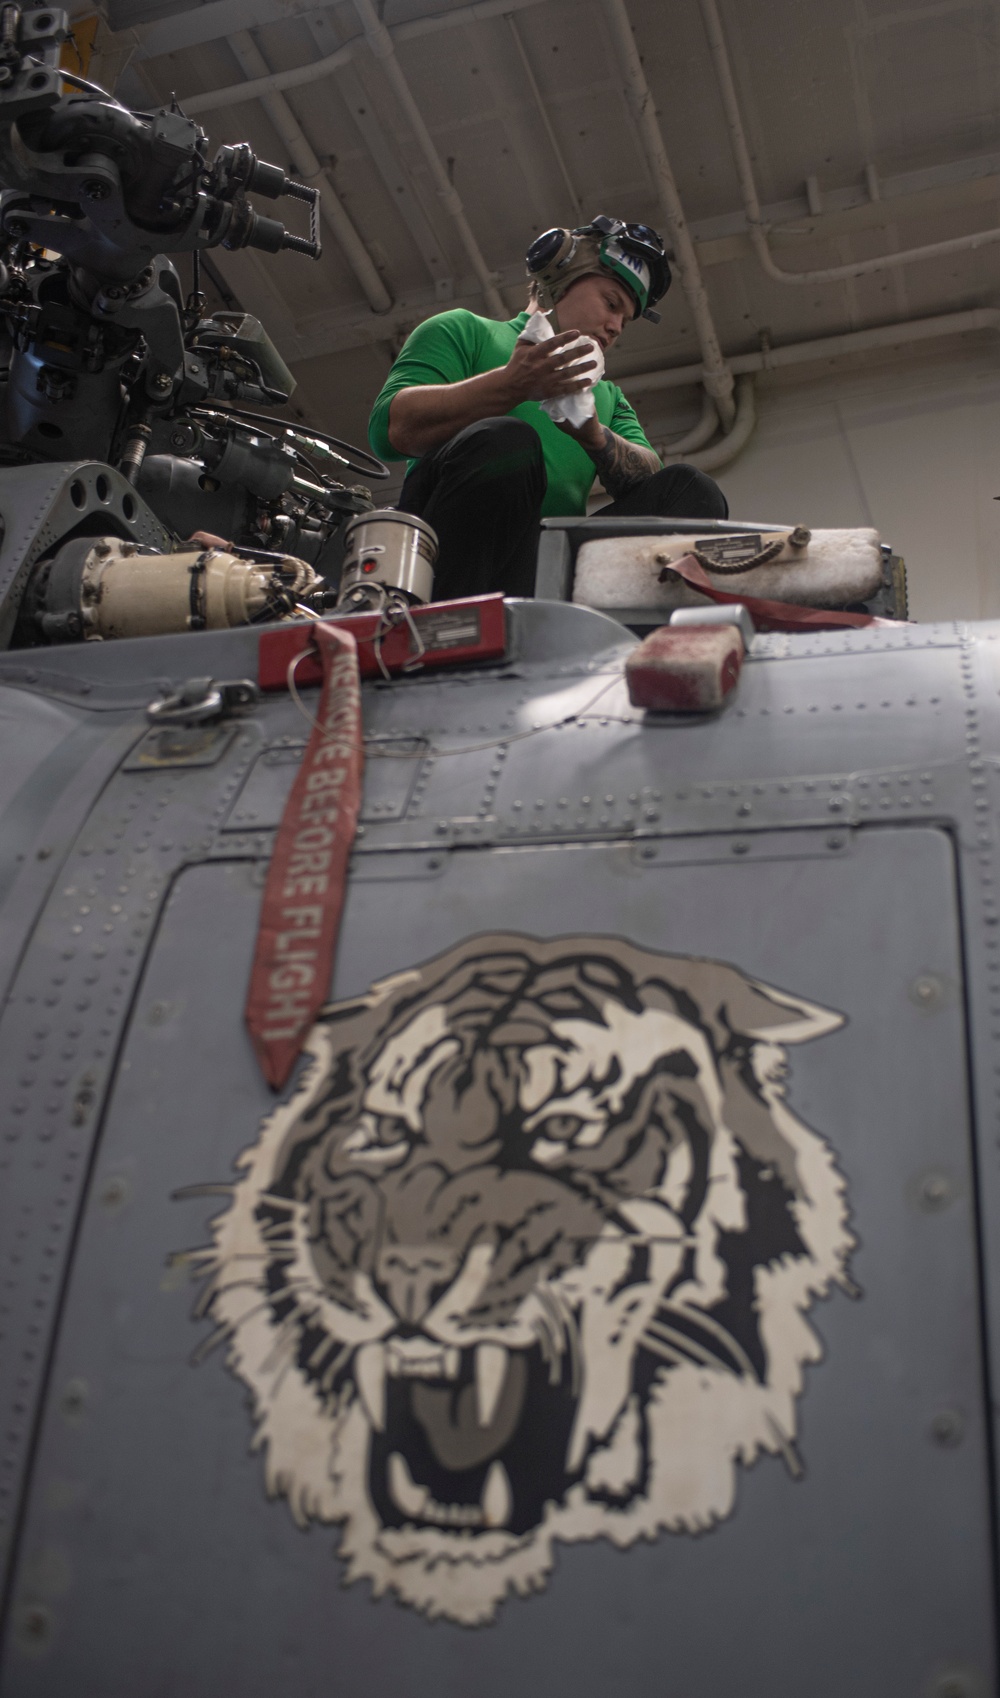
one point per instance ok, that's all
(396, 550)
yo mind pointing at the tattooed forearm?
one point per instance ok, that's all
(622, 464)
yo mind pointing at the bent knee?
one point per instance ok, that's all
(500, 436)
(691, 493)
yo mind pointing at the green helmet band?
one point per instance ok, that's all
(628, 269)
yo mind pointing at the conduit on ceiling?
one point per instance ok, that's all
(751, 203)
(381, 44)
(826, 348)
(716, 376)
(697, 436)
(299, 75)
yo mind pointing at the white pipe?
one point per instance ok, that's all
(735, 440)
(698, 435)
(825, 348)
(755, 223)
(332, 211)
(381, 44)
(718, 379)
(315, 72)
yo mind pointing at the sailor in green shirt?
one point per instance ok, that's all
(486, 461)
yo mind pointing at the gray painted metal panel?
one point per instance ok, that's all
(57, 501)
(144, 1468)
(801, 835)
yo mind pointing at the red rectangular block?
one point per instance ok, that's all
(685, 669)
(453, 632)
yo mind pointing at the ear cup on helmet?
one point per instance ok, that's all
(547, 248)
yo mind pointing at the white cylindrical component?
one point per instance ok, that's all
(392, 549)
(720, 453)
(126, 594)
(381, 44)
(718, 378)
(751, 202)
(300, 151)
(827, 348)
(697, 436)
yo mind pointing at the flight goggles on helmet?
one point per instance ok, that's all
(633, 253)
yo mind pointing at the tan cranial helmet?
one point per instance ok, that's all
(632, 254)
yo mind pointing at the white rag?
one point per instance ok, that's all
(573, 409)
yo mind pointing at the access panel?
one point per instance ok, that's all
(596, 1311)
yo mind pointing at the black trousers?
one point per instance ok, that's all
(483, 490)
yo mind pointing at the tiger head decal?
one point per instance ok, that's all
(526, 1256)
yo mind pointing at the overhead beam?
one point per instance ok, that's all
(877, 338)
(908, 194)
(338, 329)
(384, 50)
(317, 70)
(332, 211)
(208, 23)
(757, 229)
(385, 158)
(639, 96)
(543, 113)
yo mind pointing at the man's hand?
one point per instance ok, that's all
(545, 371)
(590, 435)
(423, 417)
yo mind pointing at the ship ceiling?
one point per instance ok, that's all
(870, 128)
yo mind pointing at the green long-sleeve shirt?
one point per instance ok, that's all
(458, 344)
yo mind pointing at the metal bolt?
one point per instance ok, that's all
(948, 1428)
(74, 1399)
(163, 381)
(935, 1191)
(115, 1193)
(926, 991)
(35, 1626)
